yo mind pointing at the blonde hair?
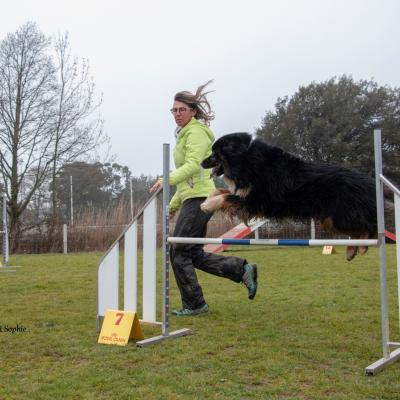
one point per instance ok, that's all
(198, 102)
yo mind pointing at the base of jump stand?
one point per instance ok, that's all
(8, 268)
(157, 339)
(379, 365)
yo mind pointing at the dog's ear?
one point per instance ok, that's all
(236, 144)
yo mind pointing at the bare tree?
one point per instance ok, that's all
(78, 131)
(47, 116)
(27, 102)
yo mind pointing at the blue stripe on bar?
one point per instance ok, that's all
(236, 241)
(293, 242)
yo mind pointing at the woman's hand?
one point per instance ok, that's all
(155, 187)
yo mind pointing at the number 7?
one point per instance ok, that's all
(119, 315)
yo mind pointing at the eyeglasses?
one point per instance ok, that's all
(179, 110)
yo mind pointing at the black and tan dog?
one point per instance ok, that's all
(265, 181)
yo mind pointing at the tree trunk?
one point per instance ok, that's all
(15, 231)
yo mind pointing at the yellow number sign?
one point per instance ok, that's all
(120, 326)
(328, 250)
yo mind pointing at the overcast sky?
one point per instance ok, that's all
(142, 52)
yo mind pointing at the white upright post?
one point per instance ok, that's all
(312, 229)
(65, 239)
(108, 283)
(130, 268)
(149, 261)
(72, 201)
(131, 199)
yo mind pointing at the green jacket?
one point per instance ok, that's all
(192, 147)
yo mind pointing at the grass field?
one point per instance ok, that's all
(312, 329)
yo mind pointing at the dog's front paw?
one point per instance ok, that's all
(205, 206)
(213, 203)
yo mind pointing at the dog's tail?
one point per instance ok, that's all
(389, 209)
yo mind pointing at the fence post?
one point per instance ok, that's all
(5, 232)
(312, 229)
(65, 239)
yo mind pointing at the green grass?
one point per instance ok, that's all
(309, 334)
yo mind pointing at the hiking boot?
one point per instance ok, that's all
(186, 312)
(250, 279)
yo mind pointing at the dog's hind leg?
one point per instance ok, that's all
(363, 249)
(328, 226)
(351, 252)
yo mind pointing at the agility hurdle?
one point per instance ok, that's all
(388, 357)
(108, 277)
(108, 268)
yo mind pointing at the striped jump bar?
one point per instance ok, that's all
(276, 242)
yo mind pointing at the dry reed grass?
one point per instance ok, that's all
(96, 230)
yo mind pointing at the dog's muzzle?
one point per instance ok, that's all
(211, 162)
(217, 171)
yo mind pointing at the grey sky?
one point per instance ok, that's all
(142, 52)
